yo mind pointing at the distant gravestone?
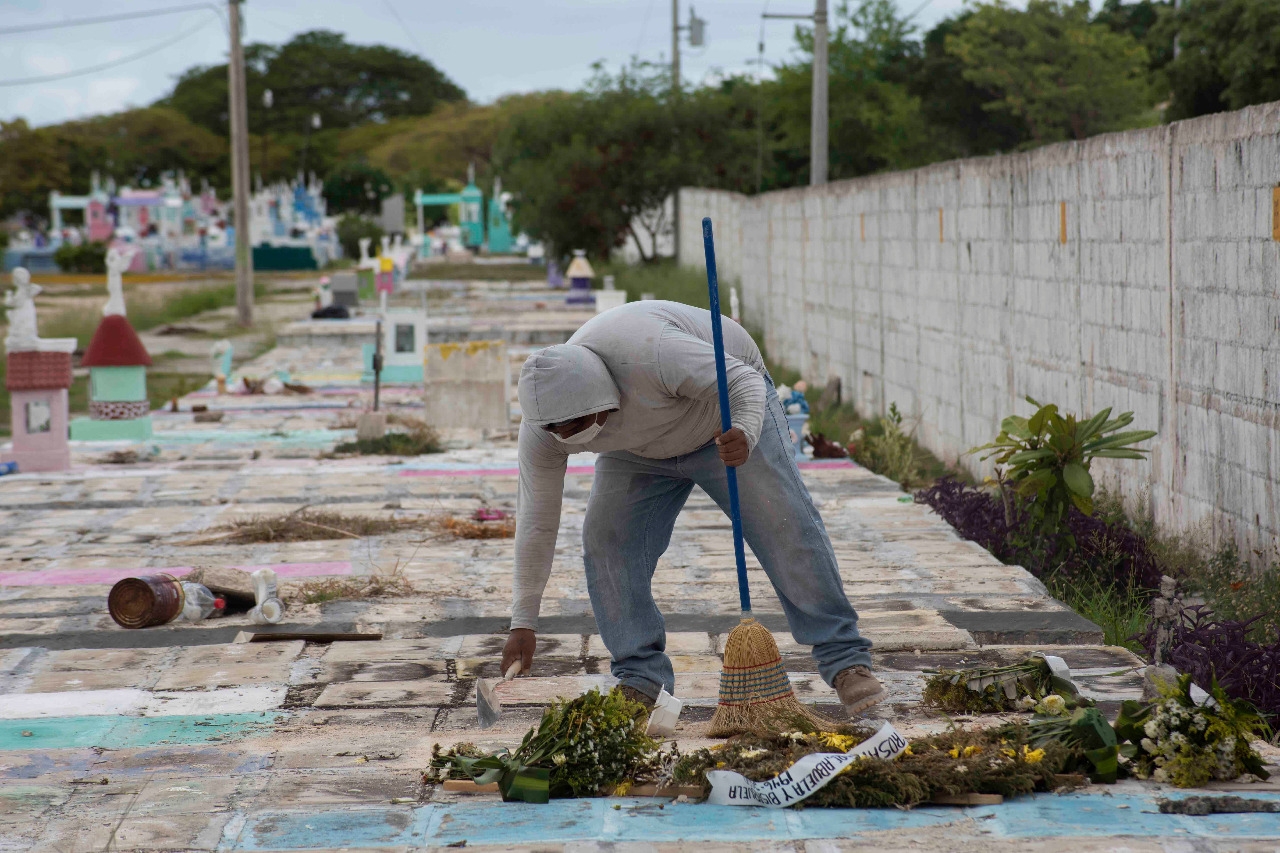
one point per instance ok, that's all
(468, 385)
(392, 218)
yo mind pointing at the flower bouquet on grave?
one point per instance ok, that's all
(581, 748)
(1040, 683)
(1191, 737)
(1087, 735)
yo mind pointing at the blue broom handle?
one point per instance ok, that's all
(726, 422)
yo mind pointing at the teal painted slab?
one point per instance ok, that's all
(492, 822)
(118, 384)
(87, 429)
(126, 732)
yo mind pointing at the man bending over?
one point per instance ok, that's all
(637, 385)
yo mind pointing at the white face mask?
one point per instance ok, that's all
(584, 436)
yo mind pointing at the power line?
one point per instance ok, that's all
(404, 26)
(104, 19)
(49, 78)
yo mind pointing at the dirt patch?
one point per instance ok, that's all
(305, 525)
(388, 585)
(465, 528)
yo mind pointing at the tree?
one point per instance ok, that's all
(138, 146)
(954, 108)
(356, 187)
(1052, 68)
(30, 167)
(316, 72)
(592, 168)
(1229, 56)
(875, 122)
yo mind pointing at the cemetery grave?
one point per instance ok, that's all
(180, 736)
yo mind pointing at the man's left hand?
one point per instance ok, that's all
(733, 447)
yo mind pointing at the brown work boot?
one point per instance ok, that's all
(634, 695)
(858, 689)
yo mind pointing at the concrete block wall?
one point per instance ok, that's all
(1134, 270)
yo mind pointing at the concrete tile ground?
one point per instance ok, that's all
(179, 738)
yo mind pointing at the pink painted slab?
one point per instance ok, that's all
(82, 577)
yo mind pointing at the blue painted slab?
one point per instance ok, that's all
(491, 822)
(126, 732)
(1130, 814)
(333, 828)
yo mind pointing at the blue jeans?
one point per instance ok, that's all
(632, 510)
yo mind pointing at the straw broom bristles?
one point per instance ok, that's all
(755, 692)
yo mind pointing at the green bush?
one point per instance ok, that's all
(87, 257)
(351, 228)
(1045, 459)
(890, 451)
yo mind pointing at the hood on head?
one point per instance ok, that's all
(564, 382)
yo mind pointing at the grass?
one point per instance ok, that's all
(393, 444)
(1121, 613)
(514, 271)
(146, 312)
(304, 525)
(665, 280)
(419, 438)
(1234, 588)
(377, 585)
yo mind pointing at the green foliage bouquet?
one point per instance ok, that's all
(582, 747)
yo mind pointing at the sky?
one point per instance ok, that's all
(489, 47)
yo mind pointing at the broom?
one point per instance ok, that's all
(755, 693)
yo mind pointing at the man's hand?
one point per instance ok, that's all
(733, 447)
(519, 647)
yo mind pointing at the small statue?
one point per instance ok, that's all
(22, 313)
(796, 404)
(117, 262)
(1166, 613)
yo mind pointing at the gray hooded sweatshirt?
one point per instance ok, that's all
(654, 363)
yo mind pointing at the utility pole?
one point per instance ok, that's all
(238, 112)
(818, 117)
(675, 46)
(818, 145)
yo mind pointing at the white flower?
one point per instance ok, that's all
(1052, 705)
(559, 759)
(1025, 703)
(1199, 723)
(1178, 739)
(752, 753)
(1159, 775)
(1148, 745)
(1152, 728)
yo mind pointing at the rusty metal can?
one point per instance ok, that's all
(145, 601)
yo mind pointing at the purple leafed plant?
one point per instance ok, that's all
(1104, 550)
(1207, 649)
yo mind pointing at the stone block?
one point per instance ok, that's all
(468, 385)
(385, 694)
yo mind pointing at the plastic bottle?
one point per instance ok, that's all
(264, 585)
(200, 603)
(269, 612)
